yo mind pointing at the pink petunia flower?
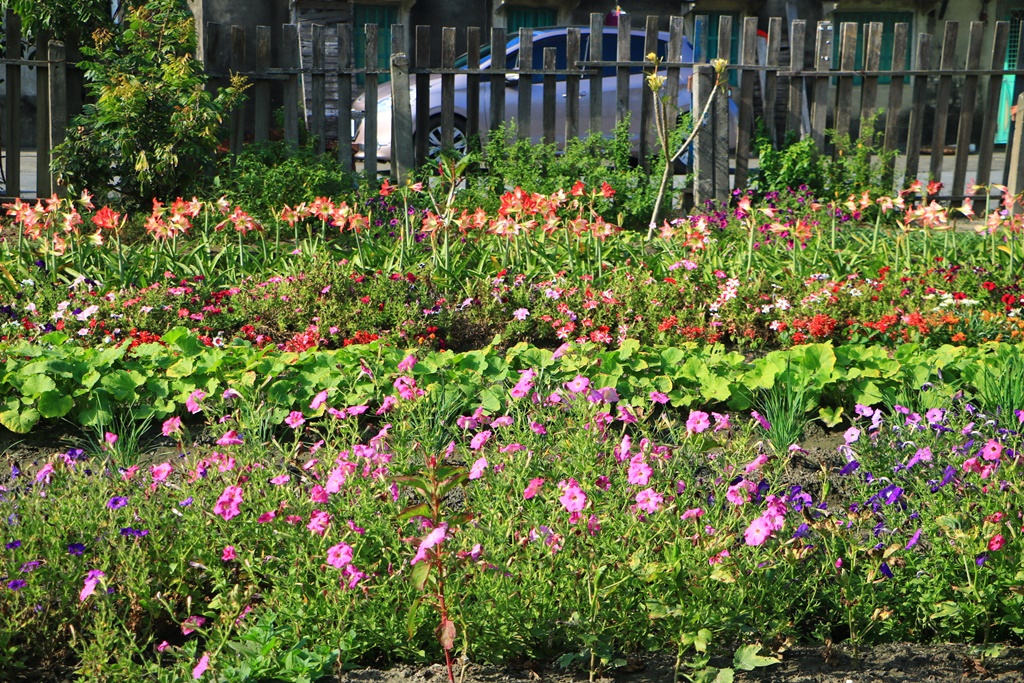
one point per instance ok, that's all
(228, 504)
(573, 499)
(160, 472)
(172, 425)
(758, 532)
(649, 500)
(295, 419)
(318, 521)
(318, 400)
(578, 385)
(533, 488)
(192, 403)
(407, 363)
(230, 438)
(697, 422)
(92, 579)
(339, 556)
(480, 439)
(228, 554)
(478, 468)
(431, 540)
(204, 663)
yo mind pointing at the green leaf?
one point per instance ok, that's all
(748, 659)
(55, 404)
(420, 574)
(410, 619)
(19, 421)
(489, 401)
(37, 385)
(724, 676)
(627, 348)
(183, 368)
(421, 510)
(831, 416)
(121, 384)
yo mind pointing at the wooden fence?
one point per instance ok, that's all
(51, 107)
(316, 85)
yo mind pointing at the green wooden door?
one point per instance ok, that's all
(384, 16)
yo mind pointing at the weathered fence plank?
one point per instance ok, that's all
(720, 116)
(12, 138)
(968, 97)
(290, 60)
(422, 92)
(1015, 181)
(942, 96)
(473, 81)
(594, 83)
(795, 114)
(261, 88)
(525, 88)
(869, 90)
(892, 113)
(703, 142)
(572, 84)
(43, 185)
(844, 89)
(498, 56)
(548, 103)
(917, 103)
(819, 110)
(318, 118)
(402, 146)
(346, 60)
(622, 45)
(770, 95)
(674, 54)
(370, 90)
(57, 97)
(746, 103)
(448, 88)
(992, 96)
(647, 133)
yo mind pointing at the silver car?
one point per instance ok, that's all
(542, 38)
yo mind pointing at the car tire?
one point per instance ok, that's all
(461, 139)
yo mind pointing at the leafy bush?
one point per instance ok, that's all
(507, 163)
(60, 17)
(152, 128)
(856, 166)
(265, 177)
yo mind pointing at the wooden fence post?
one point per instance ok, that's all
(970, 94)
(345, 63)
(402, 147)
(290, 60)
(892, 114)
(992, 97)
(473, 81)
(770, 96)
(704, 152)
(498, 46)
(58, 83)
(43, 185)
(917, 102)
(12, 137)
(448, 88)
(746, 113)
(261, 89)
(942, 96)
(548, 102)
(525, 83)
(572, 84)
(720, 121)
(1016, 179)
(648, 135)
(872, 62)
(819, 110)
(674, 54)
(422, 93)
(318, 90)
(795, 117)
(237, 136)
(847, 62)
(594, 54)
(622, 54)
(370, 98)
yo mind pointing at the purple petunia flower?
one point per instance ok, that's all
(913, 540)
(13, 544)
(886, 571)
(117, 502)
(76, 548)
(16, 584)
(849, 468)
(185, 503)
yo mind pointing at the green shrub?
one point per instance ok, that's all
(152, 128)
(265, 177)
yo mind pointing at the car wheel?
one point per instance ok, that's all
(459, 139)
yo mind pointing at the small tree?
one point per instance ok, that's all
(152, 128)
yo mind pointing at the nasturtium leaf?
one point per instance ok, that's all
(19, 421)
(37, 385)
(55, 404)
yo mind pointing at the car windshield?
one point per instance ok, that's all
(463, 60)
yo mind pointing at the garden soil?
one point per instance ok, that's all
(894, 663)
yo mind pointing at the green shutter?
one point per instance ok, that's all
(384, 16)
(734, 50)
(529, 17)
